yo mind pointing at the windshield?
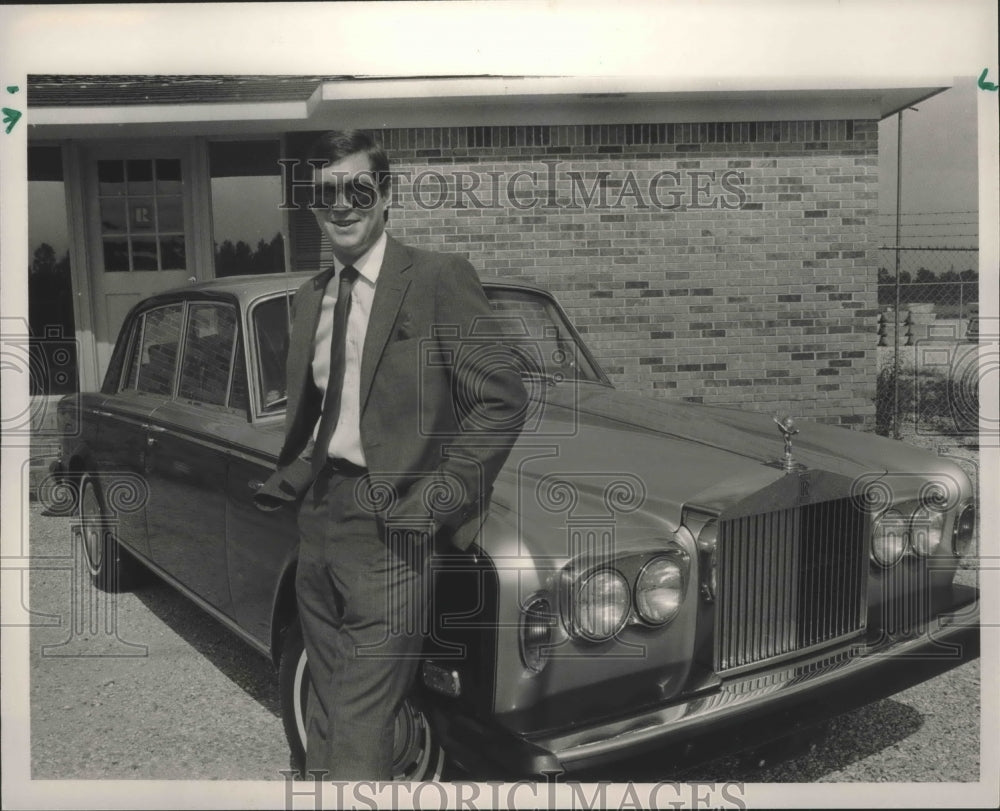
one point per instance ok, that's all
(528, 322)
(534, 326)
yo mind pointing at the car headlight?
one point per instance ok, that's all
(965, 531)
(889, 538)
(926, 531)
(659, 589)
(601, 604)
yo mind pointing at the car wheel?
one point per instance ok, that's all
(417, 752)
(111, 568)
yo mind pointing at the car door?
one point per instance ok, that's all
(262, 545)
(187, 454)
(119, 446)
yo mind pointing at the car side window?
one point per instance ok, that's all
(154, 353)
(271, 321)
(209, 349)
(239, 395)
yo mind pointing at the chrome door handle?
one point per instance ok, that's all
(151, 441)
(255, 484)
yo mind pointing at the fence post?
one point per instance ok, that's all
(895, 341)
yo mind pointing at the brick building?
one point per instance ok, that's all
(714, 246)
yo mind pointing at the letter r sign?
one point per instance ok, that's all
(142, 216)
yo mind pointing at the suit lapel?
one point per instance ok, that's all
(308, 303)
(314, 302)
(389, 290)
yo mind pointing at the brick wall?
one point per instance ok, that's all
(744, 276)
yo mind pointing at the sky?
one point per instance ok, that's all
(940, 186)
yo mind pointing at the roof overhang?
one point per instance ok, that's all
(484, 101)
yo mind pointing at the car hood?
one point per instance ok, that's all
(681, 454)
(639, 459)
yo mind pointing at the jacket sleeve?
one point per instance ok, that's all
(287, 485)
(293, 476)
(489, 400)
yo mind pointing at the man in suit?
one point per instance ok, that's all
(398, 421)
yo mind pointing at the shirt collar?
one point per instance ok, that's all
(368, 264)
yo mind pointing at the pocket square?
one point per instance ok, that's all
(404, 326)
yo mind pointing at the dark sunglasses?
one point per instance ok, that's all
(359, 194)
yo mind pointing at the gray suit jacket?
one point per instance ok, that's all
(440, 405)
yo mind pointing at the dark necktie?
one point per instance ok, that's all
(335, 382)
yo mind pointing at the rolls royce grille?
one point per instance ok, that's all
(789, 580)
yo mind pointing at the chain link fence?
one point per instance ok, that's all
(928, 327)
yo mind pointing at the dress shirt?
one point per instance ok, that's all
(346, 440)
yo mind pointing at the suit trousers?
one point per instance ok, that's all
(363, 604)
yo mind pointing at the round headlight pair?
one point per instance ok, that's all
(903, 527)
(603, 602)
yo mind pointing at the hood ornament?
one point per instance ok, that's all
(787, 427)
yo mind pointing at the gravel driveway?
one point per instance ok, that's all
(176, 696)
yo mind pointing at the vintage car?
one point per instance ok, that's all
(652, 574)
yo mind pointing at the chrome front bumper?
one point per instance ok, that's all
(843, 680)
(742, 712)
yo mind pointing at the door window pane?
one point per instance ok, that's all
(153, 365)
(144, 254)
(113, 216)
(170, 214)
(168, 176)
(208, 353)
(172, 253)
(270, 324)
(116, 255)
(140, 176)
(141, 214)
(111, 177)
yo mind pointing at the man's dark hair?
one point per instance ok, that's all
(336, 145)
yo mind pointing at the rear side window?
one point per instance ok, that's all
(271, 321)
(154, 352)
(209, 351)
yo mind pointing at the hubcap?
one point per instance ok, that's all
(90, 528)
(412, 745)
